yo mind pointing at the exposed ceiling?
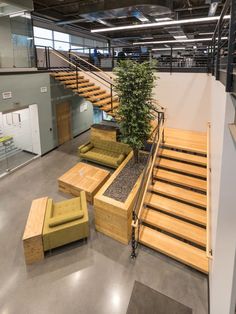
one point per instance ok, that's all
(94, 14)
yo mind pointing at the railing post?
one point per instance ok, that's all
(218, 51)
(77, 79)
(46, 56)
(49, 63)
(112, 60)
(231, 47)
(213, 55)
(111, 88)
(163, 132)
(171, 56)
(133, 253)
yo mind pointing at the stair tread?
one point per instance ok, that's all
(185, 145)
(175, 226)
(184, 156)
(182, 167)
(80, 80)
(84, 89)
(181, 194)
(99, 97)
(105, 101)
(176, 208)
(180, 179)
(108, 106)
(174, 248)
(65, 73)
(79, 85)
(95, 92)
(68, 77)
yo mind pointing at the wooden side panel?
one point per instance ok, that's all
(63, 122)
(32, 238)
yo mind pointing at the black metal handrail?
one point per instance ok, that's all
(223, 46)
(146, 177)
(78, 67)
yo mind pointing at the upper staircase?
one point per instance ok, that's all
(173, 217)
(84, 86)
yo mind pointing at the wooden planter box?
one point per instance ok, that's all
(112, 217)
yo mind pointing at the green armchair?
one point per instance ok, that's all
(108, 153)
(65, 222)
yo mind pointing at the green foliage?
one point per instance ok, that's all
(134, 84)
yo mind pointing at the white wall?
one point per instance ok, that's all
(223, 202)
(186, 96)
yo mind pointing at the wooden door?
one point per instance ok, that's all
(63, 122)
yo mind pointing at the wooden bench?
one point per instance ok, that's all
(32, 238)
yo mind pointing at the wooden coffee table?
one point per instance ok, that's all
(83, 177)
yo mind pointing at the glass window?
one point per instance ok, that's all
(78, 48)
(42, 32)
(77, 40)
(89, 42)
(43, 42)
(62, 37)
(61, 46)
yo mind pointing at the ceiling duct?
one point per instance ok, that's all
(10, 7)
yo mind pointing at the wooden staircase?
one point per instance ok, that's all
(174, 215)
(98, 96)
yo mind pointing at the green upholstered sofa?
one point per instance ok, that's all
(108, 153)
(65, 222)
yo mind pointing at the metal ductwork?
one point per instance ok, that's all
(10, 7)
(105, 11)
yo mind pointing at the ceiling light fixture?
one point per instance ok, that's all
(175, 41)
(210, 33)
(162, 19)
(180, 37)
(158, 24)
(174, 48)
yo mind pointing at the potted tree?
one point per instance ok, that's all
(134, 84)
(114, 202)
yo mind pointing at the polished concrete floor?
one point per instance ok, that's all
(82, 278)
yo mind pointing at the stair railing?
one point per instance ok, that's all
(147, 179)
(78, 68)
(208, 226)
(91, 66)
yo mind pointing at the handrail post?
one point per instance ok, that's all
(46, 56)
(232, 30)
(77, 79)
(49, 63)
(171, 56)
(111, 88)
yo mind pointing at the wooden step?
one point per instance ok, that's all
(99, 97)
(74, 81)
(195, 159)
(93, 93)
(185, 146)
(105, 101)
(177, 227)
(174, 248)
(87, 89)
(182, 167)
(181, 179)
(72, 86)
(108, 108)
(64, 73)
(178, 193)
(176, 208)
(69, 77)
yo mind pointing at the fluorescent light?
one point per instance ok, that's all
(143, 19)
(210, 33)
(175, 41)
(180, 37)
(158, 24)
(175, 48)
(162, 19)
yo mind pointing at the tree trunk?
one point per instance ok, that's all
(136, 155)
